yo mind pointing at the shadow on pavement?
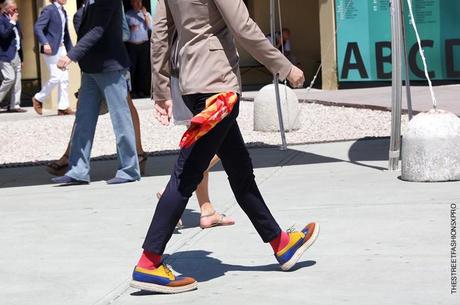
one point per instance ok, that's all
(199, 265)
(159, 165)
(367, 149)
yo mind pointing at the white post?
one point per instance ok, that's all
(406, 65)
(275, 77)
(396, 96)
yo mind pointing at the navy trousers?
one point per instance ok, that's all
(226, 141)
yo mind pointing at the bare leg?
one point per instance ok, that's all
(137, 125)
(209, 216)
(202, 191)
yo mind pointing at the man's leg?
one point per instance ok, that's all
(55, 74)
(238, 166)
(9, 77)
(17, 90)
(187, 174)
(63, 93)
(89, 100)
(113, 85)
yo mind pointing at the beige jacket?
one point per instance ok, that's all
(206, 55)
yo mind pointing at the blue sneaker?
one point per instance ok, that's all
(161, 280)
(299, 241)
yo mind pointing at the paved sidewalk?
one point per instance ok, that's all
(380, 97)
(383, 240)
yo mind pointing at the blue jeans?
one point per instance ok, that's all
(94, 87)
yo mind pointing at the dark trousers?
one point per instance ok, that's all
(226, 141)
(139, 56)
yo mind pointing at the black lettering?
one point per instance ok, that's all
(382, 59)
(450, 59)
(353, 49)
(413, 59)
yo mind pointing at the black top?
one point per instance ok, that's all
(100, 46)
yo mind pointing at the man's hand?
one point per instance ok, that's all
(47, 49)
(296, 77)
(64, 62)
(163, 112)
(14, 17)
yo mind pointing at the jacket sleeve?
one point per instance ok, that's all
(250, 37)
(160, 50)
(6, 29)
(105, 10)
(40, 25)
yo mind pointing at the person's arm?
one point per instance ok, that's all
(250, 37)
(160, 43)
(105, 10)
(77, 19)
(40, 25)
(148, 19)
(6, 29)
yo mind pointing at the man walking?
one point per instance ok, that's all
(10, 56)
(52, 32)
(103, 60)
(210, 81)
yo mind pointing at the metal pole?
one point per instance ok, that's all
(396, 94)
(275, 77)
(406, 65)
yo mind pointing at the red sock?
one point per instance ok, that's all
(149, 260)
(280, 241)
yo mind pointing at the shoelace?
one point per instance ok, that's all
(291, 229)
(168, 271)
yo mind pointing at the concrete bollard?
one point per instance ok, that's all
(265, 111)
(431, 148)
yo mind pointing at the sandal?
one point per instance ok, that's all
(58, 168)
(179, 225)
(223, 220)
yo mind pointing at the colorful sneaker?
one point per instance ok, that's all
(161, 280)
(299, 241)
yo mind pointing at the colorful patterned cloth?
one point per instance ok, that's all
(217, 108)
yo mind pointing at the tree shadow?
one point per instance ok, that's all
(201, 266)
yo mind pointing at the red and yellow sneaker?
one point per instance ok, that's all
(161, 280)
(299, 241)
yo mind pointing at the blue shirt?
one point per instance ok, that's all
(137, 26)
(63, 19)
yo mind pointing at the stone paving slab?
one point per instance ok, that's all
(382, 241)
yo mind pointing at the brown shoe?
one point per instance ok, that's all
(38, 106)
(67, 111)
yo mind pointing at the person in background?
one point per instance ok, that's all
(138, 46)
(53, 35)
(10, 57)
(103, 60)
(283, 42)
(210, 84)
(59, 166)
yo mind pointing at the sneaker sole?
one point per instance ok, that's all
(290, 263)
(161, 288)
